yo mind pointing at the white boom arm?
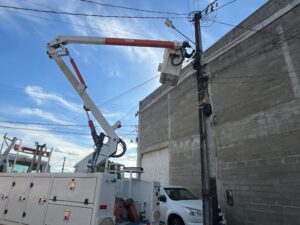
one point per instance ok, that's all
(64, 40)
(56, 49)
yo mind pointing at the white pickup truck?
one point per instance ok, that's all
(179, 206)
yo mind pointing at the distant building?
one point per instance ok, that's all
(254, 134)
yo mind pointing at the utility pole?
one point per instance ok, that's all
(208, 183)
(204, 110)
(63, 166)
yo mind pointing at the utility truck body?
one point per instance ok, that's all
(72, 198)
(57, 199)
(87, 197)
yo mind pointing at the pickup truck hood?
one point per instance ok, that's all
(195, 204)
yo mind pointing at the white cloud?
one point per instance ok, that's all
(114, 73)
(130, 145)
(149, 57)
(40, 96)
(127, 160)
(78, 25)
(114, 27)
(111, 27)
(9, 22)
(62, 145)
(130, 157)
(40, 113)
(109, 114)
(7, 16)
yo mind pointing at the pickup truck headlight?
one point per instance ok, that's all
(193, 212)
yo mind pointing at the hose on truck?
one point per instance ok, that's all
(124, 148)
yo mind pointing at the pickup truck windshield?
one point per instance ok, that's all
(177, 194)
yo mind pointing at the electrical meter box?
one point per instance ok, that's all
(170, 68)
(57, 199)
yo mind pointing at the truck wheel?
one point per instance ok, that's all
(176, 220)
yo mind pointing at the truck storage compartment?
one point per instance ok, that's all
(15, 210)
(81, 190)
(5, 185)
(65, 214)
(37, 201)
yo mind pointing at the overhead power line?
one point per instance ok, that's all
(108, 26)
(54, 131)
(226, 4)
(52, 124)
(169, 23)
(271, 34)
(41, 130)
(106, 102)
(135, 130)
(89, 15)
(128, 91)
(134, 9)
(239, 26)
(80, 25)
(242, 27)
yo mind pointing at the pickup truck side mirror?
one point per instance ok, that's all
(162, 198)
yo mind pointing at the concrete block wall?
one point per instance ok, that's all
(255, 137)
(154, 128)
(255, 95)
(169, 119)
(184, 137)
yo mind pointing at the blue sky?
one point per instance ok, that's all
(34, 90)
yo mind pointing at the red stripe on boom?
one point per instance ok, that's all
(77, 71)
(139, 43)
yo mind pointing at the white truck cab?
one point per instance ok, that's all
(180, 206)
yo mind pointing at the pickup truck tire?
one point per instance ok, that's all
(175, 220)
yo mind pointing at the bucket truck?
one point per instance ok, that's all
(174, 55)
(88, 197)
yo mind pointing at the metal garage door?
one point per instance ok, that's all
(156, 166)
